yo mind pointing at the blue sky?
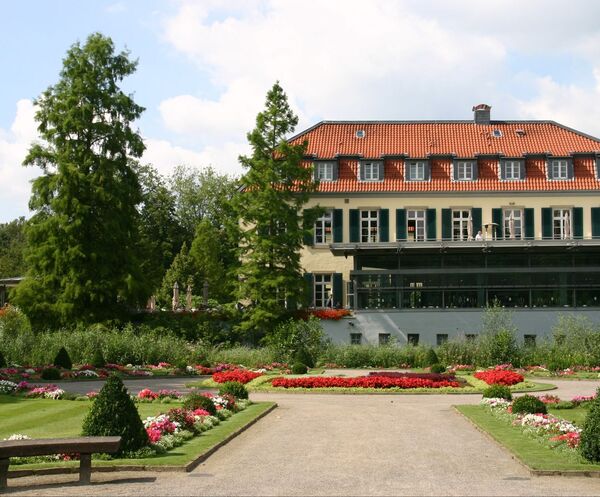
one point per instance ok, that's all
(205, 66)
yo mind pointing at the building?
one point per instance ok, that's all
(427, 222)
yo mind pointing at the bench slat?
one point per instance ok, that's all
(48, 446)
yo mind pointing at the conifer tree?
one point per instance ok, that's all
(82, 260)
(275, 188)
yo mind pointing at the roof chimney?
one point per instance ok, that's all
(482, 113)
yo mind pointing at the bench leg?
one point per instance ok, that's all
(4, 473)
(85, 468)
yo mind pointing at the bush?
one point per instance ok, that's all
(528, 404)
(194, 401)
(62, 359)
(50, 374)
(299, 368)
(431, 358)
(98, 359)
(304, 357)
(113, 413)
(2, 360)
(234, 388)
(497, 392)
(438, 368)
(293, 335)
(589, 444)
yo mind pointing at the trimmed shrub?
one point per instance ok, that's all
(303, 356)
(431, 358)
(194, 401)
(438, 368)
(234, 388)
(98, 360)
(50, 374)
(62, 359)
(299, 368)
(498, 392)
(589, 444)
(113, 413)
(2, 360)
(528, 404)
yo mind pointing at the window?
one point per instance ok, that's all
(529, 340)
(559, 169)
(461, 224)
(413, 338)
(370, 171)
(323, 290)
(415, 225)
(512, 170)
(441, 339)
(369, 226)
(416, 171)
(561, 224)
(384, 338)
(465, 171)
(513, 224)
(323, 229)
(355, 338)
(324, 171)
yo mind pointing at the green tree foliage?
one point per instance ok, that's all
(276, 187)
(62, 359)
(113, 413)
(294, 337)
(12, 248)
(181, 271)
(589, 444)
(498, 340)
(82, 253)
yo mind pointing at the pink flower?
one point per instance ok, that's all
(146, 393)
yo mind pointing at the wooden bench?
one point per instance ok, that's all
(85, 446)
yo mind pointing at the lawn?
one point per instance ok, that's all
(529, 451)
(576, 415)
(46, 418)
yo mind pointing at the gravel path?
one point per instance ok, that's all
(345, 445)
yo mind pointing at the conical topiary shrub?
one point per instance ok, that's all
(589, 443)
(113, 413)
(98, 360)
(2, 360)
(431, 358)
(62, 359)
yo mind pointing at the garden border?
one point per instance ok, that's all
(533, 472)
(185, 468)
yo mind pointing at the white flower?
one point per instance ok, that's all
(18, 436)
(7, 386)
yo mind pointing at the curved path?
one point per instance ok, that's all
(345, 445)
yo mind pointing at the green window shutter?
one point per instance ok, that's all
(497, 218)
(354, 225)
(430, 218)
(546, 222)
(338, 290)
(595, 222)
(400, 224)
(309, 282)
(577, 222)
(384, 222)
(338, 225)
(309, 235)
(446, 224)
(476, 216)
(529, 226)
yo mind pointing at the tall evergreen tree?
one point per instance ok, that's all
(82, 256)
(276, 187)
(12, 248)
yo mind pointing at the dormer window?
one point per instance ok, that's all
(512, 169)
(325, 171)
(371, 171)
(465, 170)
(560, 169)
(417, 170)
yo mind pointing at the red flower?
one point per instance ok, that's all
(499, 377)
(239, 375)
(361, 382)
(334, 314)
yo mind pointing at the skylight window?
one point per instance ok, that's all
(360, 133)
(497, 133)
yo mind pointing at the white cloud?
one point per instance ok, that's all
(15, 188)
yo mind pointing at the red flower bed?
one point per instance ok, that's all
(361, 382)
(239, 375)
(499, 377)
(423, 376)
(334, 314)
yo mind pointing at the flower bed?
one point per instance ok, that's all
(240, 375)
(499, 377)
(361, 382)
(333, 314)
(424, 376)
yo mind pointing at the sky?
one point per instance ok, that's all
(205, 67)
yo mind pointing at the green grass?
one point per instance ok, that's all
(527, 450)
(576, 415)
(46, 418)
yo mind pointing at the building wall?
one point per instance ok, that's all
(454, 323)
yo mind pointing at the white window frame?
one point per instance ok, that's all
(324, 171)
(559, 169)
(418, 173)
(419, 216)
(462, 224)
(518, 220)
(463, 168)
(324, 228)
(370, 217)
(323, 290)
(371, 171)
(560, 216)
(514, 168)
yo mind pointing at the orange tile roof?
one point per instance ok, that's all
(440, 140)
